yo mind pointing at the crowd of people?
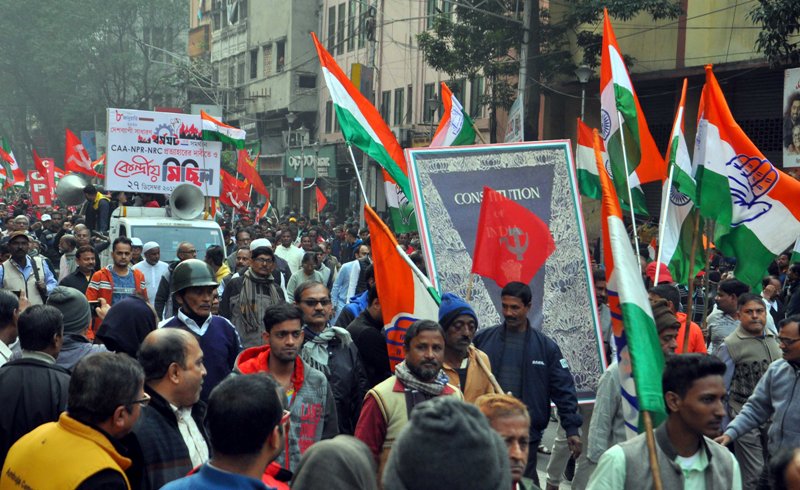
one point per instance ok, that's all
(263, 364)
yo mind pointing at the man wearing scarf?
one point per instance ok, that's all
(331, 350)
(246, 298)
(417, 379)
(98, 209)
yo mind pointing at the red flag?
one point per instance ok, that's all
(512, 243)
(76, 157)
(234, 192)
(5, 156)
(321, 200)
(247, 168)
(45, 168)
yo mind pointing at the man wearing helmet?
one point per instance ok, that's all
(193, 285)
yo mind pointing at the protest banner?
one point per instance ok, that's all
(791, 118)
(447, 185)
(41, 192)
(154, 152)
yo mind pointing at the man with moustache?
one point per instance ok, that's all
(694, 394)
(153, 268)
(170, 430)
(530, 365)
(193, 285)
(417, 379)
(509, 418)
(747, 353)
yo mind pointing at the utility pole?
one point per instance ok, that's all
(529, 69)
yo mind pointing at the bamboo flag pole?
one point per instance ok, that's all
(651, 449)
(477, 132)
(687, 323)
(630, 195)
(469, 287)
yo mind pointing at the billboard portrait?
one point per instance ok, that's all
(447, 185)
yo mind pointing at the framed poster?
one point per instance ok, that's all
(154, 152)
(447, 188)
(791, 118)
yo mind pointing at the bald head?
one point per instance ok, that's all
(161, 348)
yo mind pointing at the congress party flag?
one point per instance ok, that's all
(216, 130)
(16, 176)
(588, 180)
(455, 128)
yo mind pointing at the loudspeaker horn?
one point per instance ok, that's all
(187, 201)
(70, 190)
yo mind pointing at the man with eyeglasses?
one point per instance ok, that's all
(86, 447)
(331, 350)
(164, 303)
(307, 390)
(246, 298)
(170, 431)
(775, 396)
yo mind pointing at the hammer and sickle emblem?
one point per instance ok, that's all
(512, 242)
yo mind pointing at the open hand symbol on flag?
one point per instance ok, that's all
(750, 178)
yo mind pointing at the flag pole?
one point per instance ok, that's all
(651, 449)
(358, 174)
(469, 288)
(663, 224)
(477, 131)
(630, 195)
(692, 253)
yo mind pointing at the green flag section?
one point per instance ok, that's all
(363, 127)
(455, 128)
(641, 361)
(678, 211)
(755, 205)
(588, 180)
(633, 156)
(795, 252)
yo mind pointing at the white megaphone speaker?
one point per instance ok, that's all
(70, 190)
(187, 201)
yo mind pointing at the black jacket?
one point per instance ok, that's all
(32, 392)
(348, 381)
(165, 456)
(368, 336)
(76, 280)
(545, 377)
(164, 295)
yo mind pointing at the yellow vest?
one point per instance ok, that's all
(60, 455)
(392, 405)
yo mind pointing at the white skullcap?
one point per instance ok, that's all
(260, 242)
(136, 242)
(148, 246)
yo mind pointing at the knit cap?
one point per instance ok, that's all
(451, 307)
(663, 315)
(74, 306)
(447, 445)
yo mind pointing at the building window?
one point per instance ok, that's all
(475, 95)
(243, 9)
(231, 74)
(328, 116)
(215, 75)
(409, 105)
(267, 60)
(386, 103)
(307, 81)
(351, 25)
(362, 28)
(430, 102)
(280, 53)
(331, 28)
(240, 71)
(253, 63)
(399, 106)
(340, 29)
(430, 12)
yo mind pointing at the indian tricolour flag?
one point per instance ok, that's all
(617, 98)
(641, 361)
(588, 180)
(755, 205)
(216, 130)
(795, 252)
(678, 211)
(363, 127)
(455, 128)
(406, 295)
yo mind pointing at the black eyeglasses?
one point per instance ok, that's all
(311, 302)
(263, 260)
(787, 342)
(143, 402)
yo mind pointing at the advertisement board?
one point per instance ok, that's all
(154, 152)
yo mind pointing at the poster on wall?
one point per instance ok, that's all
(154, 152)
(791, 118)
(447, 185)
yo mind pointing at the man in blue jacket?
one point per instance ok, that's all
(530, 366)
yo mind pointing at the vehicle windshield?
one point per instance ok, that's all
(168, 239)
